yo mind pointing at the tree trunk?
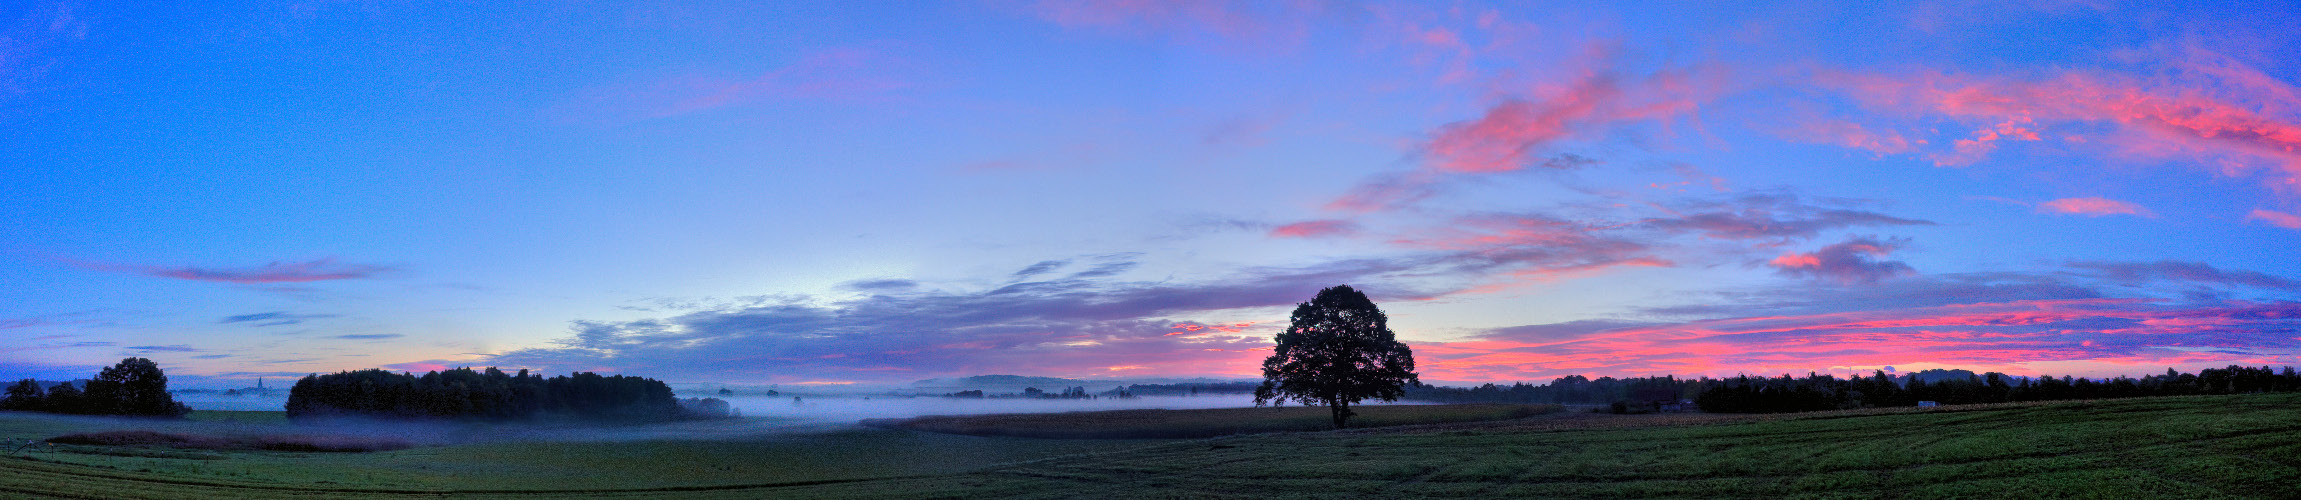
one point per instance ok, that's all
(1341, 411)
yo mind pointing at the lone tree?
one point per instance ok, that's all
(1337, 351)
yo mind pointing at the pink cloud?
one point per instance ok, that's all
(1517, 131)
(2093, 206)
(323, 269)
(1315, 229)
(2226, 112)
(1853, 135)
(1857, 260)
(1509, 135)
(2276, 218)
(1984, 141)
(1386, 192)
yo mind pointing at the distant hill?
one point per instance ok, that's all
(1002, 381)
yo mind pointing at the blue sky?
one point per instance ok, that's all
(860, 193)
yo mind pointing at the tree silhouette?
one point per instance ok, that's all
(1338, 350)
(24, 395)
(64, 398)
(136, 386)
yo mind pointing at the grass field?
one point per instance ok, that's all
(1202, 423)
(2185, 447)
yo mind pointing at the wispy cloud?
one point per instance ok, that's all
(1528, 121)
(2236, 118)
(1768, 215)
(1852, 135)
(2275, 218)
(1510, 135)
(1315, 229)
(2188, 272)
(2093, 206)
(275, 318)
(323, 269)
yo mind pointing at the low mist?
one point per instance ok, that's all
(762, 416)
(849, 409)
(276, 401)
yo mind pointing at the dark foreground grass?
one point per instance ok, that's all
(2183, 447)
(272, 442)
(1203, 423)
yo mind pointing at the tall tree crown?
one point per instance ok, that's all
(1337, 350)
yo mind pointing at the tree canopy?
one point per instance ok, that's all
(1338, 350)
(134, 387)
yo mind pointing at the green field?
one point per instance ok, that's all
(1203, 423)
(2184, 447)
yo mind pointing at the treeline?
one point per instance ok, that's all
(134, 387)
(1570, 389)
(1191, 389)
(1068, 393)
(464, 393)
(1824, 392)
(1816, 392)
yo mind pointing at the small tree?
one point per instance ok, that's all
(1337, 351)
(24, 395)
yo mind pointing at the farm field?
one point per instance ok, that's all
(1203, 423)
(2246, 446)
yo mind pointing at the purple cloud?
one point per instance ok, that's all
(2193, 272)
(1771, 216)
(1081, 325)
(276, 318)
(1857, 260)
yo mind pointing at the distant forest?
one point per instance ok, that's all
(1813, 392)
(464, 393)
(1121, 392)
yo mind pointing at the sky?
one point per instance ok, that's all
(827, 193)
